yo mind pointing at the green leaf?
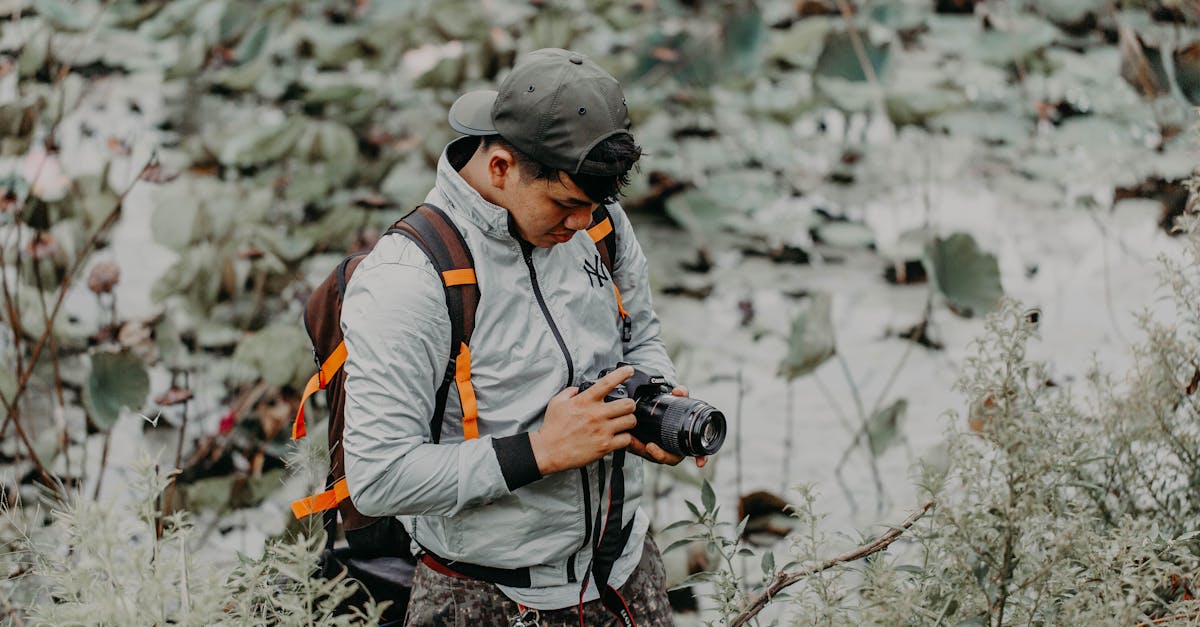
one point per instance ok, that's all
(677, 545)
(34, 53)
(262, 144)
(967, 277)
(252, 44)
(745, 37)
(60, 15)
(768, 563)
(812, 339)
(695, 510)
(845, 234)
(281, 353)
(209, 494)
(178, 223)
(696, 211)
(117, 380)
(708, 496)
(1188, 536)
(675, 525)
(883, 427)
(839, 60)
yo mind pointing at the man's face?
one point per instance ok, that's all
(548, 212)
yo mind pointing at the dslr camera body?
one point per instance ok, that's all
(678, 424)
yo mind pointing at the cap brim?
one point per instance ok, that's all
(471, 114)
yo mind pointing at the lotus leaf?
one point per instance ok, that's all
(845, 94)
(802, 43)
(743, 191)
(968, 278)
(996, 127)
(280, 353)
(34, 53)
(209, 494)
(263, 144)
(917, 92)
(242, 77)
(408, 182)
(745, 37)
(193, 276)
(697, 211)
(812, 340)
(175, 18)
(117, 380)
(61, 16)
(128, 14)
(211, 335)
(845, 234)
(179, 220)
(1069, 12)
(189, 57)
(839, 60)
(252, 45)
(884, 427)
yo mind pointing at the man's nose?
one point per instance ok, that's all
(579, 219)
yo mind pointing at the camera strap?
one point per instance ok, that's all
(610, 544)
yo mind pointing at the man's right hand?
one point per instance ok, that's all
(580, 427)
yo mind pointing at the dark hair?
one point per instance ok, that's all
(619, 149)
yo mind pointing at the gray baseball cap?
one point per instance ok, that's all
(555, 106)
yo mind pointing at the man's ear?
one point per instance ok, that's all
(502, 167)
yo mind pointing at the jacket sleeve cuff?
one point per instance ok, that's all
(517, 463)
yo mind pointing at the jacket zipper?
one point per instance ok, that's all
(527, 254)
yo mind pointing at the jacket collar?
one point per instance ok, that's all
(465, 200)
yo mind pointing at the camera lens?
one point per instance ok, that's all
(680, 425)
(708, 432)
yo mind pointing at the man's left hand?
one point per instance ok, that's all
(655, 453)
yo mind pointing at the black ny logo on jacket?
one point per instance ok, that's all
(596, 273)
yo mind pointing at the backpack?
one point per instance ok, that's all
(436, 235)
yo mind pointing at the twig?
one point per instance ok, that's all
(1167, 619)
(783, 579)
(860, 51)
(103, 465)
(23, 383)
(11, 611)
(169, 502)
(790, 419)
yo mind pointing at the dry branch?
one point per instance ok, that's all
(783, 580)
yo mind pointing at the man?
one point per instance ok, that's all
(514, 523)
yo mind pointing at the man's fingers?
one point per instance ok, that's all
(566, 393)
(661, 456)
(623, 422)
(701, 461)
(620, 441)
(617, 408)
(680, 390)
(608, 382)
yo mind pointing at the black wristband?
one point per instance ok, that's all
(517, 463)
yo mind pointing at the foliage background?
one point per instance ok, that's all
(825, 232)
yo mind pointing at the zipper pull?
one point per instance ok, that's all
(626, 328)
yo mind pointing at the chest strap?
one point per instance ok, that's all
(605, 238)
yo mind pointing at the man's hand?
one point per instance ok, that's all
(580, 427)
(654, 452)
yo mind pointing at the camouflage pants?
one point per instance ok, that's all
(441, 600)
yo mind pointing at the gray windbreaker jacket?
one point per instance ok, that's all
(546, 320)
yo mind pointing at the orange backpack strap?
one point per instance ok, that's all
(433, 231)
(323, 501)
(605, 238)
(318, 382)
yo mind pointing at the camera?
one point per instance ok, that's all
(680, 425)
